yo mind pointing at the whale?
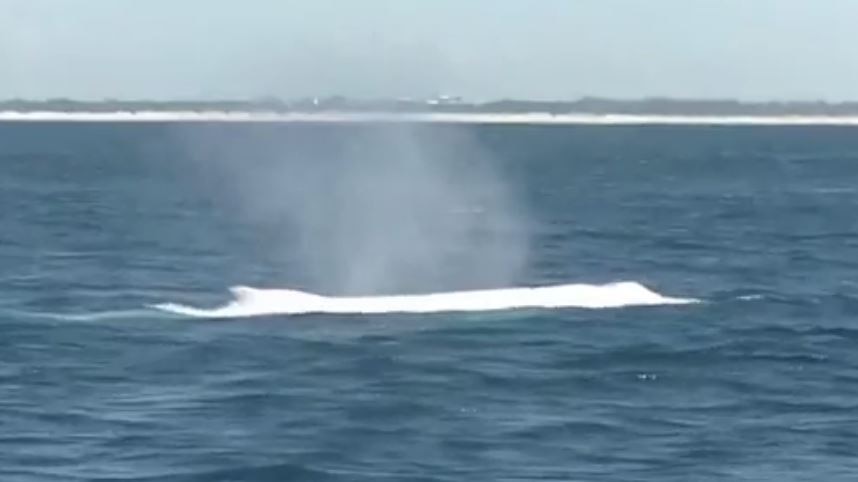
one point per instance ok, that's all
(248, 301)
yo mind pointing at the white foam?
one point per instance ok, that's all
(257, 302)
(750, 297)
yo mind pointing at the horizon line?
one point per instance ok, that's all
(458, 98)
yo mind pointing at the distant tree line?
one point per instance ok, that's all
(587, 105)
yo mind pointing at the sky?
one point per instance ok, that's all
(479, 49)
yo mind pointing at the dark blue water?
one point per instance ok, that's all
(99, 221)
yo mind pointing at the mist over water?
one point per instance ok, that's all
(382, 209)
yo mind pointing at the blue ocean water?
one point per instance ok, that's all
(99, 222)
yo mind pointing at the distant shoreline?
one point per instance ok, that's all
(535, 118)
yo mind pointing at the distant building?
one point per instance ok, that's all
(446, 100)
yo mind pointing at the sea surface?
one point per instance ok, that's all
(105, 226)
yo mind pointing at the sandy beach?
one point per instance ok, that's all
(466, 118)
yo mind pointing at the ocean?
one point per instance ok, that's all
(654, 303)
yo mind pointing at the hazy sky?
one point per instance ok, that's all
(482, 49)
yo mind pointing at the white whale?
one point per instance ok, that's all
(258, 302)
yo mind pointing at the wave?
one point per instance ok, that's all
(108, 315)
(249, 301)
